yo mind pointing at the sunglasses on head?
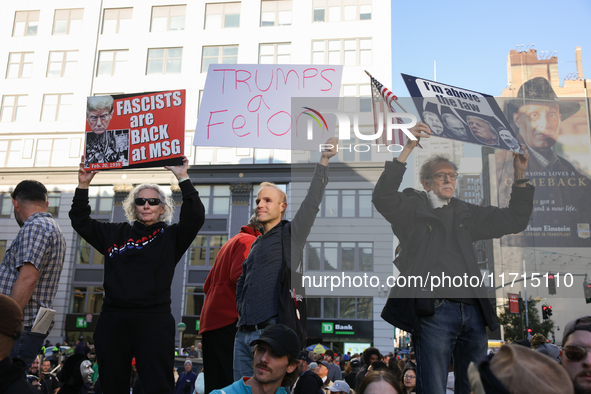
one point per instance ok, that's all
(151, 201)
(575, 353)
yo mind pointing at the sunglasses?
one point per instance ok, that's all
(575, 353)
(151, 201)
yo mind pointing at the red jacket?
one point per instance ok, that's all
(219, 308)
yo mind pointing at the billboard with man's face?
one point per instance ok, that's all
(556, 133)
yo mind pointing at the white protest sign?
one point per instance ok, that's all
(249, 105)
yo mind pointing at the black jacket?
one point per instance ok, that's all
(308, 383)
(422, 235)
(12, 378)
(139, 260)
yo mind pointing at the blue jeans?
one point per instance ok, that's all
(455, 330)
(27, 346)
(243, 351)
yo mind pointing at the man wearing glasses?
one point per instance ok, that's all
(436, 231)
(575, 353)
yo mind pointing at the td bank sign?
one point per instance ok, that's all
(337, 329)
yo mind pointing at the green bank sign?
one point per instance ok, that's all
(337, 329)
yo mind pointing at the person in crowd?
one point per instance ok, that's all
(394, 368)
(412, 360)
(482, 130)
(540, 344)
(275, 363)
(140, 260)
(257, 301)
(308, 381)
(380, 382)
(313, 366)
(12, 371)
(436, 232)
(370, 355)
(34, 368)
(218, 315)
(51, 381)
(378, 366)
(351, 371)
(322, 371)
(77, 375)
(576, 353)
(200, 383)
(81, 347)
(339, 387)
(455, 125)
(193, 353)
(187, 379)
(334, 372)
(517, 369)
(32, 265)
(409, 379)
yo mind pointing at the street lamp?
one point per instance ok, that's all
(181, 327)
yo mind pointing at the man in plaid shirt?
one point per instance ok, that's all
(32, 265)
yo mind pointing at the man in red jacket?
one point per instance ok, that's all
(218, 315)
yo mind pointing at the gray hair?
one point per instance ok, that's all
(254, 222)
(425, 171)
(95, 103)
(129, 202)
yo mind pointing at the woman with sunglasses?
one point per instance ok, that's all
(140, 259)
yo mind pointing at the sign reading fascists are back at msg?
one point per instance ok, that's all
(249, 105)
(135, 130)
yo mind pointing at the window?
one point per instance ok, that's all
(54, 198)
(112, 63)
(20, 65)
(25, 23)
(116, 20)
(346, 204)
(215, 198)
(348, 52)
(86, 299)
(5, 206)
(11, 154)
(222, 15)
(341, 10)
(56, 107)
(205, 248)
(339, 256)
(62, 64)
(164, 61)
(13, 108)
(227, 54)
(276, 13)
(68, 21)
(275, 53)
(167, 18)
(101, 200)
(340, 308)
(194, 297)
(52, 152)
(362, 93)
(87, 255)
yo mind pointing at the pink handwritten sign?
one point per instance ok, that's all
(249, 105)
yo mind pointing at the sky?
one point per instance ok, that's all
(470, 40)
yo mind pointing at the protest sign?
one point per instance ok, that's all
(249, 105)
(461, 114)
(135, 130)
(556, 131)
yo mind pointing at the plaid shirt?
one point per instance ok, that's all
(40, 242)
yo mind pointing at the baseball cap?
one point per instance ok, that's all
(325, 363)
(346, 357)
(313, 365)
(355, 362)
(281, 338)
(304, 356)
(339, 385)
(188, 362)
(580, 324)
(11, 323)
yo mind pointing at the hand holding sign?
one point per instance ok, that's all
(520, 164)
(84, 177)
(180, 171)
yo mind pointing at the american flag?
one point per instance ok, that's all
(382, 102)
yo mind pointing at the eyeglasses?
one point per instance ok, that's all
(441, 176)
(575, 353)
(151, 201)
(411, 377)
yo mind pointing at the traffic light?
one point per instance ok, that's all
(544, 312)
(549, 311)
(551, 284)
(529, 331)
(587, 289)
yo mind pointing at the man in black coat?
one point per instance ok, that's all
(447, 317)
